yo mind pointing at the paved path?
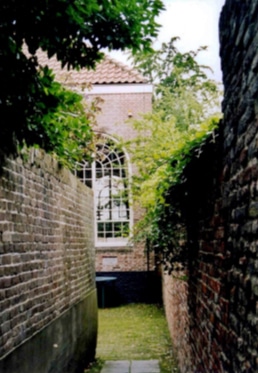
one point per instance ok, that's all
(134, 366)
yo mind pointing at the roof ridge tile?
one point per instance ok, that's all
(107, 71)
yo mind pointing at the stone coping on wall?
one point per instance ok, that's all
(47, 162)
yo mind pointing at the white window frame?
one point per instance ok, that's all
(92, 168)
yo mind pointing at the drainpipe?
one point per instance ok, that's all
(148, 254)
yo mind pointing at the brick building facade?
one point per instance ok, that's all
(124, 94)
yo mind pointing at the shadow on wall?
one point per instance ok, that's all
(67, 345)
(48, 300)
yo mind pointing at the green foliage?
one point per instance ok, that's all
(185, 113)
(161, 152)
(75, 31)
(182, 88)
(60, 124)
(67, 126)
(95, 366)
(165, 65)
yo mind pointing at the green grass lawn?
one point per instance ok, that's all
(134, 332)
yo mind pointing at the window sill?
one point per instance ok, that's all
(116, 246)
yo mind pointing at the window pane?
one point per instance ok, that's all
(107, 175)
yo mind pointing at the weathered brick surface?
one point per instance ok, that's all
(221, 294)
(46, 246)
(175, 295)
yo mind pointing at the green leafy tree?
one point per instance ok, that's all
(182, 88)
(185, 113)
(75, 31)
(66, 125)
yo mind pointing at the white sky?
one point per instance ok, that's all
(196, 23)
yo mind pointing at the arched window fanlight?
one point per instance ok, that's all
(108, 176)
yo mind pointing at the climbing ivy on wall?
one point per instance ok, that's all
(162, 152)
(185, 114)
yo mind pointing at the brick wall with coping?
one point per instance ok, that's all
(46, 246)
(219, 331)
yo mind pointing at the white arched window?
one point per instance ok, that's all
(108, 176)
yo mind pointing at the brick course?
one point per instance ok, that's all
(46, 246)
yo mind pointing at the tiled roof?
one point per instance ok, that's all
(108, 71)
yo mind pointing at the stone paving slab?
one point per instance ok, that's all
(145, 366)
(135, 366)
(121, 366)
